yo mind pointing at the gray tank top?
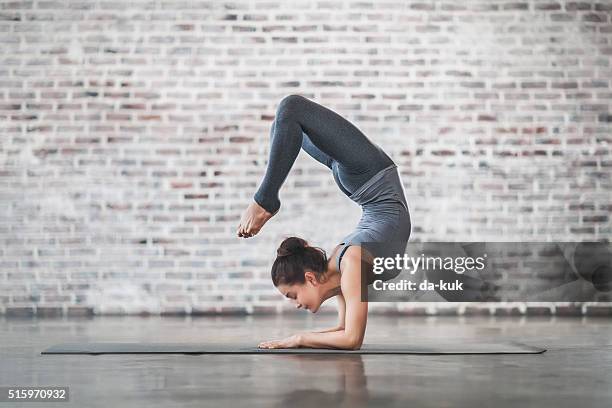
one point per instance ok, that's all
(385, 216)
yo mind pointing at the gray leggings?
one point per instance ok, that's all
(326, 136)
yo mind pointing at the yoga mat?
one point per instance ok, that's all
(460, 347)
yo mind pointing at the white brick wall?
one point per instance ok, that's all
(133, 134)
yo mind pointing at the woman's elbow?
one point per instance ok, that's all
(354, 343)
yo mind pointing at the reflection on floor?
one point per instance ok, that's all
(573, 372)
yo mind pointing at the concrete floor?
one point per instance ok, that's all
(575, 371)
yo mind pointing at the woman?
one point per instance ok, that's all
(368, 176)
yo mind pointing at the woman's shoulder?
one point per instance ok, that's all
(353, 252)
(356, 257)
(350, 255)
(351, 272)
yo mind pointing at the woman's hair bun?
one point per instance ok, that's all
(291, 246)
(289, 270)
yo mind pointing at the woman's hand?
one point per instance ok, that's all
(289, 342)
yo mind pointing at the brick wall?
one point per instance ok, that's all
(133, 134)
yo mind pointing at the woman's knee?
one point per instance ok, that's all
(289, 106)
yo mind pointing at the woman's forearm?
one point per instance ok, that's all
(340, 339)
(333, 329)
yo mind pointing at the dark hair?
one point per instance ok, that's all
(294, 256)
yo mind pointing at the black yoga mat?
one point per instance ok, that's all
(460, 347)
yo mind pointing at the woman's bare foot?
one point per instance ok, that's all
(253, 218)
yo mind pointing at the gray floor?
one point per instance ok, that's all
(575, 371)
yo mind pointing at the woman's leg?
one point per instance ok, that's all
(309, 148)
(331, 134)
(315, 152)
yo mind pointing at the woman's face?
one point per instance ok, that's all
(305, 295)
